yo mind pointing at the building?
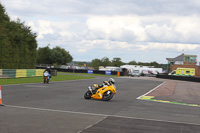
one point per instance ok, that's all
(184, 61)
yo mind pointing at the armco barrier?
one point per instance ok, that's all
(184, 78)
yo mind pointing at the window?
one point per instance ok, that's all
(187, 59)
(173, 72)
(187, 71)
(193, 59)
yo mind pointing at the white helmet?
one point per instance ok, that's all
(111, 81)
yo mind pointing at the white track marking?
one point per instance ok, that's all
(93, 114)
(49, 83)
(92, 125)
(53, 110)
(37, 86)
(151, 90)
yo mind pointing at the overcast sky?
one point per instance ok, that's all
(140, 30)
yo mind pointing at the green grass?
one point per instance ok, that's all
(59, 77)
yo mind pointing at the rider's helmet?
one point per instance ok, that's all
(111, 81)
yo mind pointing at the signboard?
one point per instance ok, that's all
(108, 72)
(90, 71)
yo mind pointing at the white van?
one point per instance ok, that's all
(136, 73)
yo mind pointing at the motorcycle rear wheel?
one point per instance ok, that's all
(107, 95)
(88, 95)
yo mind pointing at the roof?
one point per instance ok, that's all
(178, 58)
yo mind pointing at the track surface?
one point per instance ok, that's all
(59, 107)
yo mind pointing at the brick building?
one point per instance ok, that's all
(184, 61)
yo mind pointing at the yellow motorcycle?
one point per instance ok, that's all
(105, 93)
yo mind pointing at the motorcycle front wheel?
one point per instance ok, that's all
(88, 95)
(107, 95)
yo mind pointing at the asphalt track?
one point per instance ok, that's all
(59, 107)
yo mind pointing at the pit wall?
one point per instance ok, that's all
(20, 73)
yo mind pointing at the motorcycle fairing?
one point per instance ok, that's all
(101, 91)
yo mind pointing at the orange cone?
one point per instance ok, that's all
(0, 97)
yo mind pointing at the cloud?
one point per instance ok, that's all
(169, 46)
(114, 27)
(44, 27)
(123, 28)
(102, 7)
(169, 28)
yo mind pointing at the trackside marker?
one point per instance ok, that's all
(1, 97)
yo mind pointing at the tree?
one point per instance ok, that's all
(59, 56)
(17, 43)
(132, 63)
(105, 61)
(96, 63)
(155, 64)
(44, 55)
(117, 62)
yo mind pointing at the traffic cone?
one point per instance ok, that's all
(1, 97)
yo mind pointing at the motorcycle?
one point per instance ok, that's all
(46, 77)
(105, 93)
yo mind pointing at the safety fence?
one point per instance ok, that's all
(184, 78)
(20, 73)
(85, 71)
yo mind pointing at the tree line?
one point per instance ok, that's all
(117, 62)
(56, 56)
(17, 43)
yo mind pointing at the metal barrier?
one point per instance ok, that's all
(82, 71)
(54, 73)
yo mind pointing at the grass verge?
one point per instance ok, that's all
(59, 77)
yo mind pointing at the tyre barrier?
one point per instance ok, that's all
(20, 73)
(184, 78)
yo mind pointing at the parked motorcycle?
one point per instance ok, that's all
(46, 77)
(105, 93)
